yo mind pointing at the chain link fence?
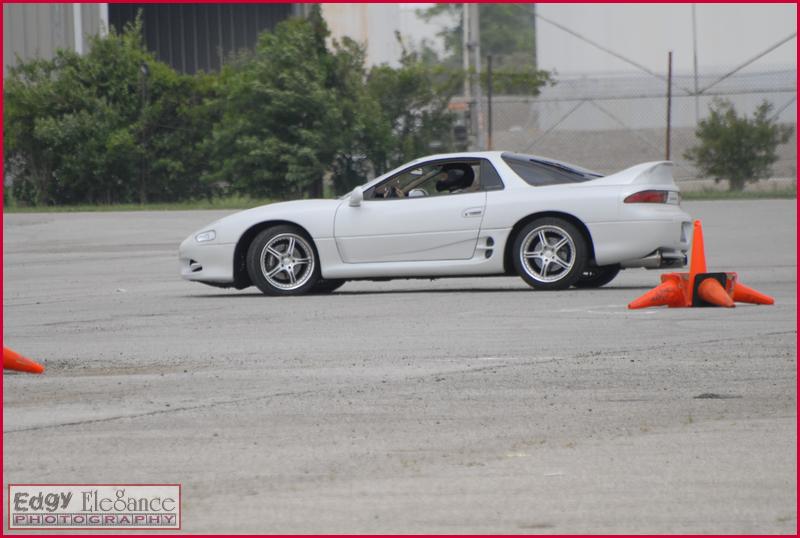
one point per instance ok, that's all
(610, 122)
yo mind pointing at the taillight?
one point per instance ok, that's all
(653, 197)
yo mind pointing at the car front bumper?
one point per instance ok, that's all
(211, 263)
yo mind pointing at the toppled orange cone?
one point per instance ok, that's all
(698, 287)
(669, 293)
(744, 294)
(14, 361)
(711, 291)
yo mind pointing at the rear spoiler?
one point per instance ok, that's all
(653, 173)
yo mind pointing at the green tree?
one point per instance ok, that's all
(506, 33)
(295, 111)
(32, 96)
(414, 117)
(281, 119)
(400, 114)
(737, 148)
(118, 126)
(79, 129)
(361, 116)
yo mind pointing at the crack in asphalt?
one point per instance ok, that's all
(160, 411)
(209, 405)
(432, 375)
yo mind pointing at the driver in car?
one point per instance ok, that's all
(457, 178)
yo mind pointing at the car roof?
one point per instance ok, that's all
(510, 154)
(459, 155)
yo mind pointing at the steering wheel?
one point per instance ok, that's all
(394, 192)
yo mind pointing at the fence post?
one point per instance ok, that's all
(669, 102)
(694, 54)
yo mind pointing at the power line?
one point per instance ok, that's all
(606, 49)
(622, 124)
(784, 107)
(556, 124)
(748, 62)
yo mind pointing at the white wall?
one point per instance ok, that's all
(727, 35)
(376, 24)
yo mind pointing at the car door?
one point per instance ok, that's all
(441, 226)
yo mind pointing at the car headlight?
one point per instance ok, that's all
(202, 237)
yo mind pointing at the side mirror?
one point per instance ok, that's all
(356, 197)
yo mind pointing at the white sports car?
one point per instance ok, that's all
(463, 214)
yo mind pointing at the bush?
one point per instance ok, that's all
(117, 126)
(737, 148)
(296, 110)
(82, 129)
(281, 115)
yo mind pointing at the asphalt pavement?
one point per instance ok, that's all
(454, 405)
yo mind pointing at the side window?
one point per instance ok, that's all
(540, 174)
(490, 179)
(537, 175)
(438, 179)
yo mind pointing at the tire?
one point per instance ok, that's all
(327, 285)
(595, 277)
(541, 265)
(282, 260)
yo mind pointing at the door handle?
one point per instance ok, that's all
(472, 212)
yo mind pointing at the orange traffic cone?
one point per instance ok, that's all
(711, 291)
(14, 361)
(744, 294)
(697, 264)
(698, 287)
(668, 293)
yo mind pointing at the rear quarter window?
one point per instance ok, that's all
(540, 174)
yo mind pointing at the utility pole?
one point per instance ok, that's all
(465, 49)
(477, 93)
(77, 27)
(694, 46)
(489, 127)
(669, 103)
(144, 70)
(535, 37)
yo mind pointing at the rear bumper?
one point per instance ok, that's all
(629, 241)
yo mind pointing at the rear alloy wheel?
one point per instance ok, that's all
(550, 254)
(282, 261)
(595, 277)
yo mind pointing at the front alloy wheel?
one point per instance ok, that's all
(550, 254)
(282, 261)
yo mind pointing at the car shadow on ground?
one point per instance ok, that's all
(342, 293)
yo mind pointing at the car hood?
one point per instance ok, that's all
(315, 216)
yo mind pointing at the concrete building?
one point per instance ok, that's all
(376, 26)
(726, 36)
(38, 30)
